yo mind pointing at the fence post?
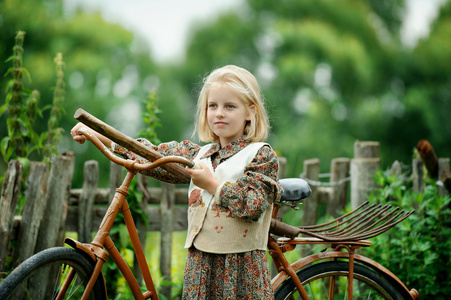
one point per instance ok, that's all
(53, 222)
(141, 226)
(32, 211)
(282, 167)
(116, 178)
(310, 205)
(52, 228)
(86, 201)
(8, 202)
(363, 167)
(417, 170)
(339, 172)
(443, 170)
(167, 226)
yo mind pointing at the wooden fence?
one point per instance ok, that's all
(52, 208)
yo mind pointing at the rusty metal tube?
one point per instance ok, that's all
(282, 229)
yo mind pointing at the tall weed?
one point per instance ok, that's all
(22, 107)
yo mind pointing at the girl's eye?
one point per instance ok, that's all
(211, 105)
(230, 106)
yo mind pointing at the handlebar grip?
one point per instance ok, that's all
(282, 229)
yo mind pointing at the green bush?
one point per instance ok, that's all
(418, 250)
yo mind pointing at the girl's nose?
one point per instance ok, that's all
(220, 113)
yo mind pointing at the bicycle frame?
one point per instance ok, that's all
(103, 241)
(102, 246)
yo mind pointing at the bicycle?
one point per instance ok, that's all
(76, 272)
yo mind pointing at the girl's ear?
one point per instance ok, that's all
(252, 112)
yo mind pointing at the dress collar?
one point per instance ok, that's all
(228, 150)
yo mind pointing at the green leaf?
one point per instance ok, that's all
(25, 162)
(48, 106)
(3, 108)
(4, 144)
(27, 73)
(430, 259)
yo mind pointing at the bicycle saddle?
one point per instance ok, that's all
(294, 189)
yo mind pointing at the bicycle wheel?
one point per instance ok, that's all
(41, 276)
(317, 279)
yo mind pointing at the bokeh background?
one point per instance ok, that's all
(332, 72)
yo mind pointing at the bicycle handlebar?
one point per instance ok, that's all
(131, 164)
(129, 143)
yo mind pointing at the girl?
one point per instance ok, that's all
(232, 194)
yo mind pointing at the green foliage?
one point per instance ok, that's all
(54, 133)
(22, 106)
(97, 58)
(20, 132)
(418, 250)
(151, 119)
(334, 72)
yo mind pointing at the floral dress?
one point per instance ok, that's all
(237, 275)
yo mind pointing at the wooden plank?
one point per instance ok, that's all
(444, 176)
(339, 172)
(167, 227)
(129, 143)
(417, 170)
(153, 214)
(310, 206)
(102, 196)
(51, 231)
(363, 168)
(86, 203)
(32, 212)
(8, 202)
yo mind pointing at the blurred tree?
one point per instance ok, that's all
(106, 69)
(428, 83)
(334, 72)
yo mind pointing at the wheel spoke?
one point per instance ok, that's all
(329, 280)
(56, 273)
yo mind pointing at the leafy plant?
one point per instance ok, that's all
(22, 106)
(21, 112)
(150, 118)
(53, 135)
(418, 251)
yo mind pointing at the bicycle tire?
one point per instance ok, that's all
(368, 284)
(24, 282)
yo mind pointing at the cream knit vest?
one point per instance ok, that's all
(218, 232)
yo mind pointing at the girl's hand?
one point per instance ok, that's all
(203, 178)
(79, 138)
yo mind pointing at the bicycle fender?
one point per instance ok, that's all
(89, 251)
(303, 262)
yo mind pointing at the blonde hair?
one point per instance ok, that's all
(248, 91)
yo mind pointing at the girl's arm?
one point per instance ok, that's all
(185, 149)
(259, 188)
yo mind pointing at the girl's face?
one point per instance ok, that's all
(226, 114)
